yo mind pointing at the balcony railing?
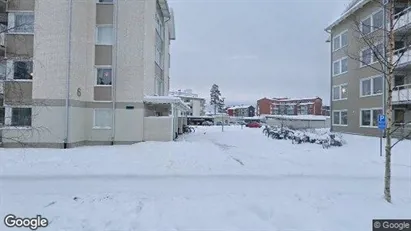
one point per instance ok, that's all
(402, 56)
(402, 93)
(402, 18)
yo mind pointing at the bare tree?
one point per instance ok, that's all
(381, 55)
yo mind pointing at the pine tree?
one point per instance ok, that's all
(215, 97)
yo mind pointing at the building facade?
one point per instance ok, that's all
(241, 111)
(358, 87)
(264, 105)
(303, 106)
(193, 101)
(77, 72)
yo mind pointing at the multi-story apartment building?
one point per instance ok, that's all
(193, 101)
(358, 86)
(241, 111)
(85, 72)
(303, 106)
(264, 105)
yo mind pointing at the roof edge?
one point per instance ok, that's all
(358, 6)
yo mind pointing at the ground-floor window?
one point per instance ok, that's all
(21, 117)
(369, 117)
(399, 116)
(103, 118)
(340, 117)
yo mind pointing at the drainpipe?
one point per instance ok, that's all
(331, 75)
(66, 139)
(114, 75)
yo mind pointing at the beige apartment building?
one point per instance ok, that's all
(358, 88)
(86, 72)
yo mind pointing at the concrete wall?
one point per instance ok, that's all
(299, 124)
(157, 128)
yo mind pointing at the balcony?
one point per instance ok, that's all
(402, 57)
(402, 94)
(402, 19)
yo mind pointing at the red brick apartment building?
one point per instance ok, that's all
(287, 106)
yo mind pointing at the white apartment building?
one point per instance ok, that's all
(196, 103)
(89, 72)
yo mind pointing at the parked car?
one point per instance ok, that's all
(207, 123)
(253, 125)
(219, 123)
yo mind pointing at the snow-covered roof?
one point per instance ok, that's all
(299, 117)
(239, 107)
(298, 99)
(351, 8)
(166, 100)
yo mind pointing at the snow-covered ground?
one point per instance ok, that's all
(210, 180)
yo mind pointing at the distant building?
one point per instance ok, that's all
(196, 104)
(264, 105)
(241, 111)
(297, 106)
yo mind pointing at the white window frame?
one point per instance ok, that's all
(11, 18)
(96, 67)
(96, 34)
(10, 70)
(371, 116)
(94, 118)
(8, 117)
(339, 92)
(371, 78)
(339, 37)
(373, 59)
(339, 116)
(372, 28)
(339, 61)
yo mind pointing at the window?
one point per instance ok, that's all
(104, 76)
(372, 22)
(336, 67)
(23, 70)
(399, 116)
(337, 43)
(21, 22)
(366, 57)
(339, 117)
(369, 117)
(340, 41)
(340, 66)
(290, 110)
(103, 118)
(377, 20)
(366, 26)
(340, 92)
(371, 86)
(21, 117)
(370, 55)
(303, 110)
(104, 35)
(344, 65)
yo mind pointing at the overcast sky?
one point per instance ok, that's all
(253, 48)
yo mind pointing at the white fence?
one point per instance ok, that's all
(300, 122)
